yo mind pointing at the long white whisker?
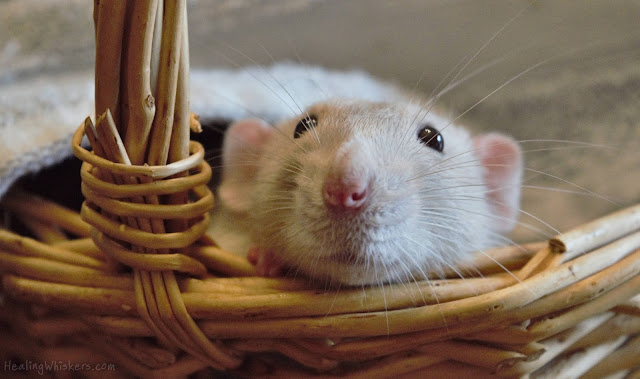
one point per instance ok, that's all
(473, 57)
(315, 133)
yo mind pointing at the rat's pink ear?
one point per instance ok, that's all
(243, 146)
(501, 158)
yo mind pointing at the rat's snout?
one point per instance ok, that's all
(346, 193)
(348, 182)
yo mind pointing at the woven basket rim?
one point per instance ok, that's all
(196, 156)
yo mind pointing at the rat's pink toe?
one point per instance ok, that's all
(253, 255)
(267, 264)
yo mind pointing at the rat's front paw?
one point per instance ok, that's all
(267, 264)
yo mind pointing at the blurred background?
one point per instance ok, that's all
(579, 60)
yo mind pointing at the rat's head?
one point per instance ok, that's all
(366, 193)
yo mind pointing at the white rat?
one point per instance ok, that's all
(358, 192)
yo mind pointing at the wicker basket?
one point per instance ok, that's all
(134, 282)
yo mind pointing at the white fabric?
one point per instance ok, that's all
(38, 116)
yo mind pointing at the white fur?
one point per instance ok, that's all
(426, 210)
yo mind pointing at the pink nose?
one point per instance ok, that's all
(345, 193)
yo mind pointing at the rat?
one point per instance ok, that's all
(358, 192)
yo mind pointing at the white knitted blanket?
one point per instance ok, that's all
(38, 116)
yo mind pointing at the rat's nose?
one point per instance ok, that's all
(347, 186)
(345, 192)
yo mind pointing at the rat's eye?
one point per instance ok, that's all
(431, 137)
(305, 124)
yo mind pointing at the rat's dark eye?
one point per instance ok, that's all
(431, 137)
(304, 125)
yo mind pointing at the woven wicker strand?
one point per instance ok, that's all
(604, 290)
(141, 230)
(132, 279)
(112, 232)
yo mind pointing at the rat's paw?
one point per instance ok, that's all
(267, 264)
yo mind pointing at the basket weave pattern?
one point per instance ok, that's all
(566, 310)
(135, 200)
(132, 279)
